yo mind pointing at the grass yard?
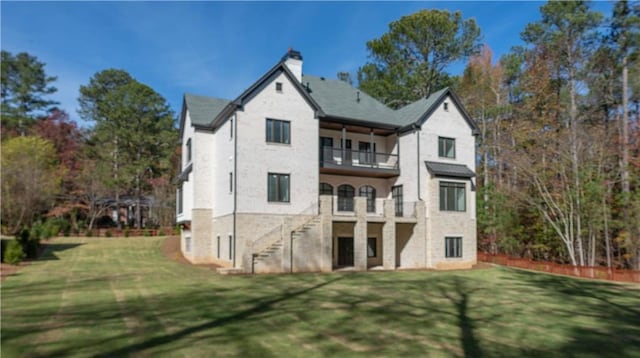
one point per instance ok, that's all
(121, 296)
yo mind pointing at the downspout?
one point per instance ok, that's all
(235, 183)
(418, 156)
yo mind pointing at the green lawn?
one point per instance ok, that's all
(115, 297)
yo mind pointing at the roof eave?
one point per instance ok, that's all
(358, 122)
(183, 116)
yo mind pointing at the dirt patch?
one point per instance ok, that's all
(8, 270)
(171, 249)
(482, 265)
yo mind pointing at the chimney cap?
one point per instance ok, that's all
(291, 53)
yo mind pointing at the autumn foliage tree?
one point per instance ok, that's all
(30, 180)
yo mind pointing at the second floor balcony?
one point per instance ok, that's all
(358, 163)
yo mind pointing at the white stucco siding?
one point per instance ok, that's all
(223, 151)
(187, 134)
(450, 124)
(203, 152)
(408, 178)
(256, 158)
(187, 186)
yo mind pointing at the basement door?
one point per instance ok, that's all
(345, 251)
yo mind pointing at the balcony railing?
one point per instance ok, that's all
(355, 158)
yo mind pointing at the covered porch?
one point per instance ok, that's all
(361, 241)
(358, 151)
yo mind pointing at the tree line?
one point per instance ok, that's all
(559, 117)
(60, 177)
(558, 150)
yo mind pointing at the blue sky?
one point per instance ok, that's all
(219, 48)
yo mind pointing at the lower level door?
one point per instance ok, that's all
(345, 251)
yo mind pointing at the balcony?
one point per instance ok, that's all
(358, 163)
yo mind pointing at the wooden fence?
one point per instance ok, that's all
(112, 232)
(596, 272)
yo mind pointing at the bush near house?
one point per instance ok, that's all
(13, 253)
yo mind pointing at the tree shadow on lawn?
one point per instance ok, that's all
(330, 314)
(224, 316)
(50, 249)
(615, 307)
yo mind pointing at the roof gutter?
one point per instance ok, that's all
(358, 122)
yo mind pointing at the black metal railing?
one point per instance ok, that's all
(357, 158)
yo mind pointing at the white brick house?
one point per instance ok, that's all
(302, 173)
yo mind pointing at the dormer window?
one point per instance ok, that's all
(445, 106)
(278, 86)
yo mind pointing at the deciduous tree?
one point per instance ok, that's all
(30, 180)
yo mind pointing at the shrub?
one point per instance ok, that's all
(161, 233)
(107, 233)
(146, 233)
(29, 240)
(127, 231)
(89, 233)
(14, 253)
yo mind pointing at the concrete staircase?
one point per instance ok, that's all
(302, 230)
(270, 259)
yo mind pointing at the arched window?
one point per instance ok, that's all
(326, 189)
(370, 193)
(345, 197)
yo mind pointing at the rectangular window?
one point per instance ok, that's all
(446, 147)
(231, 182)
(231, 128)
(230, 247)
(188, 150)
(187, 244)
(372, 247)
(452, 196)
(445, 105)
(278, 86)
(278, 131)
(218, 246)
(452, 247)
(396, 194)
(278, 187)
(180, 199)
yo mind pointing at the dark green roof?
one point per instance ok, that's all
(412, 112)
(336, 99)
(339, 99)
(202, 110)
(449, 170)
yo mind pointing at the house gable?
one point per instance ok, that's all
(417, 113)
(260, 85)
